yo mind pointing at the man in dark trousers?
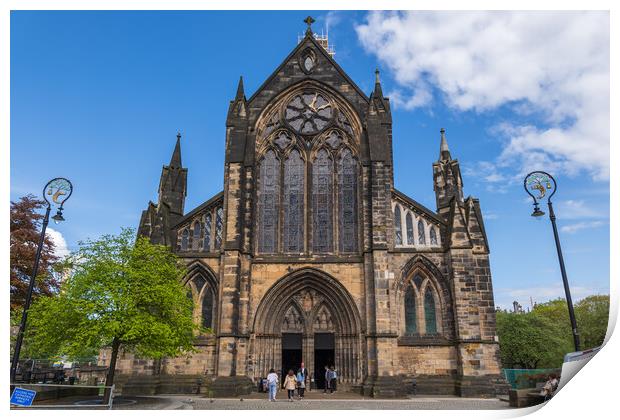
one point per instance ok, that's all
(302, 369)
(328, 377)
(334, 379)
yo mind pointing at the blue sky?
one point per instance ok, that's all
(98, 97)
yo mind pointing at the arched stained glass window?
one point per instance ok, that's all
(410, 311)
(409, 222)
(293, 203)
(219, 224)
(429, 312)
(322, 181)
(347, 201)
(433, 235)
(269, 197)
(421, 233)
(398, 231)
(207, 242)
(185, 240)
(207, 308)
(196, 236)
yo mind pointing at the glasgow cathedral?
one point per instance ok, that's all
(310, 252)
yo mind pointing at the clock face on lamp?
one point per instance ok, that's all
(308, 113)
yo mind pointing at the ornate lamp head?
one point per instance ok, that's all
(538, 185)
(58, 190)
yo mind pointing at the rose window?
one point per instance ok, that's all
(308, 113)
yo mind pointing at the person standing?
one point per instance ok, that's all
(332, 379)
(334, 376)
(301, 384)
(328, 376)
(304, 372)
(290, 383)
(272, 383)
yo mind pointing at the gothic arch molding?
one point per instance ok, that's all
(200, 278)
(325, 306)
(335, 297)
(421, 264)
(431, 279)
(197, 269)
(271, 112)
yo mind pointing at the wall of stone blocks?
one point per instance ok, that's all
(479, 359)
(201, 362)
(427, 360)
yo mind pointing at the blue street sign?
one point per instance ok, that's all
(23, 397)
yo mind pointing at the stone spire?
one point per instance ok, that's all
(173, 182)
(175, 160)
(240, 92)
(378, 92)
(448, 184)
(444, 151)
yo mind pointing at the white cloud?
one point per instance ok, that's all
(550, 67)
(576, 227)
(62, 250)
(576, 209)
(332, 18)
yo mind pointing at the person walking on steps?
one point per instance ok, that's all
(290, 383)
(272, 384)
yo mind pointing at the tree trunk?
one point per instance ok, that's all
(109, 380)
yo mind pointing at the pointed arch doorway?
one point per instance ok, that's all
(308, 316)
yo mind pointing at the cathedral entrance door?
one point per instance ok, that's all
(291, 353)
(324, 355)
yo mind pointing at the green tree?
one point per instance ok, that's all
(592, 315)
(530, 341)
(120, 293)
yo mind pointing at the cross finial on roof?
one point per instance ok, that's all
(444, 151)
(309, 21)
(178, 134)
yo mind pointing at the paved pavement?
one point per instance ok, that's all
(343, 402)
(256, 401)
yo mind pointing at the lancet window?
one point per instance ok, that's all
(433, 236)
(293, 203)
(196, 236)
(322, 172)
(185, 240)
(429, 312)
(219, 226)
(269, 202)
(411, 321)
(347, 199)
(207, 307)
(421, 233)
(398, 230)
(207, 230)
(409, 223)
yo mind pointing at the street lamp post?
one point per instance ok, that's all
(543, 184)
(59, 189)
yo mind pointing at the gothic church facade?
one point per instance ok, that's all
(311, 254)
